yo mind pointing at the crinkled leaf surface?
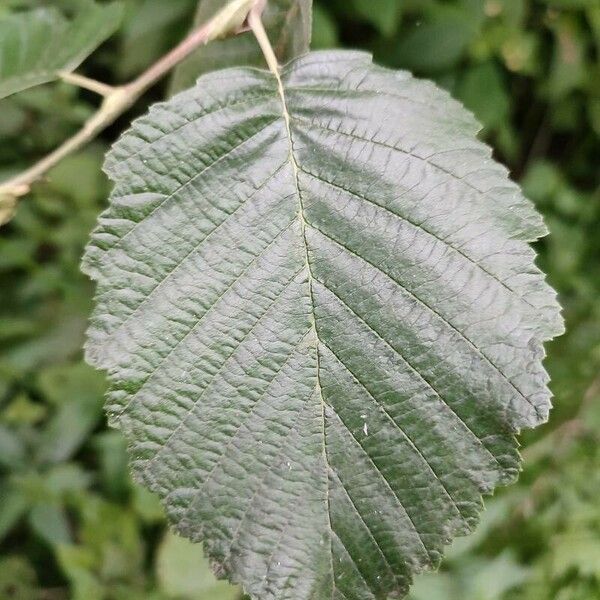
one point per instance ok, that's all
(288, 23)
(321, 320)
(35, 46)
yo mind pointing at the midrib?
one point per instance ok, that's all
(303, 224)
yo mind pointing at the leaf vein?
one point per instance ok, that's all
(201, 320)
(396, 425)
(214, 377)
(431, 309)
(171, 195)
(420, 227)
(192, 251)
(244, 421)
(416, 372)
(387, 484)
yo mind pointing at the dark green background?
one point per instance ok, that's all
(72, 524)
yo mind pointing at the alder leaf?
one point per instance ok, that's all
(288, 23)
(36, 46)
(321, 320)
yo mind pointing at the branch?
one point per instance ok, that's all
(87, 84)
(229, 21)
(256, 25)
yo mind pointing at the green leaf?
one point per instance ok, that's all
(321, 321)
(324, 29)
(578, 551)
(110, 550)
(23, 411)
(50, 522)
(13, 505)
(483, 91)
(12, 449)
(183, 572)
(112, 459)
(439, 43)
(288, 23)
(77, 563)
(77, 391)
(146, 33)
(385, 17)
(477, 579)
(17, 579)
(147, 505)
(36, 46)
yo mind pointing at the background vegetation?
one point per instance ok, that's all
(72, 523)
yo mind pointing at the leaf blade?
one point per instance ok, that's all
(37, 45)
(324, 370)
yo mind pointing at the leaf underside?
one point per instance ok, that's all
(36, 46)
(321, 320)
(288, 23)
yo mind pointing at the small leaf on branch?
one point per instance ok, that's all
(36, 46)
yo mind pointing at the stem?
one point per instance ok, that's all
(257, 27)
(21, 184)
(87, 84)
(256, 24)
(197, 38)
(119, 99)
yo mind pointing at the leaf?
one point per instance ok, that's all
(77, 391)
(77, 564)
(476, 579)
(183, 572)
(147, 34)
(439, 43)
(13, 453)
(385, 18)
(110, 549)
(483, 91)
(288, 23)
(13, 505)
(112, 459)
(324, 29)
(321, 321)
(577, 551)
(17, 578)
(36, 46)
(50, 523)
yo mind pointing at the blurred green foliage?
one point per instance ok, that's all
(74, 525)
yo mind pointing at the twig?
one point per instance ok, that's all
(257, 27)
(229, 21)
(87, 84)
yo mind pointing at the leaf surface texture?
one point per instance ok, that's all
(322, 322)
